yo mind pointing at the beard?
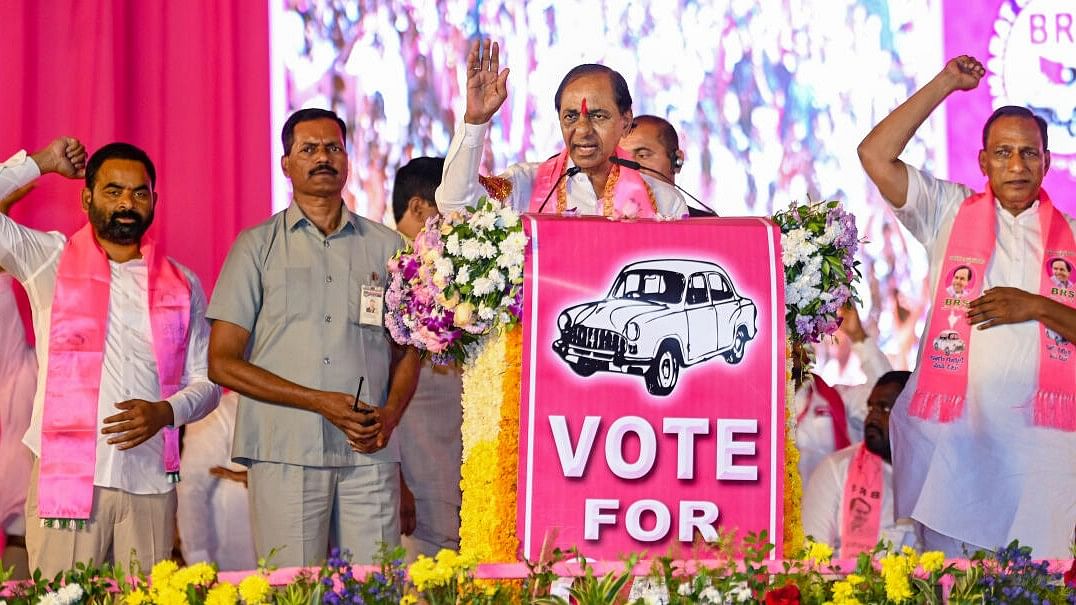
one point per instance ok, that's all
(877, 442)
(109, 227)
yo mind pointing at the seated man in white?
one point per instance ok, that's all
(829, 418)
(594, 109)
(848, 501)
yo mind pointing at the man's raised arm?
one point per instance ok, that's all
(487, 88)
(880, 150)
(65, 155)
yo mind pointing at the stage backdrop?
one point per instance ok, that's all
(652, 411)
(186, 81)
(1029, 49)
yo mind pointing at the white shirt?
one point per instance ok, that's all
(824, 495)
(814, 428)
(460, 188)
(990, 476)
(18, 375)
(212, 514)
(130, 367)
(429, 433)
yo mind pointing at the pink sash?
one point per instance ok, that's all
(632, 197)
(943, 379)
(76, 354)
(861, 505)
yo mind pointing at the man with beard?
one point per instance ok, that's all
(594, 109)
(121, 346)
(298, 332)
(848, 501)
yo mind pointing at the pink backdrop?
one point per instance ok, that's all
(187, 81)
(573, 262)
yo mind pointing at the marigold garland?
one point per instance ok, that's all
(490, 450)
(794, 538)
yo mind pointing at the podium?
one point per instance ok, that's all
(641, 406)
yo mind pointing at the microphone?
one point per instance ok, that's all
(633, 165)
(569, 173)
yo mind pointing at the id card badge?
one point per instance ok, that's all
(372, 304)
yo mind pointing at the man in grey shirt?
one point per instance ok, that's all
(297, 329)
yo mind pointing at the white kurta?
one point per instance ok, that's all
(460, 187)
(212, 513)
(129, 370)
(824, 495)
(990, 476)
(18, 377)
(814, 425)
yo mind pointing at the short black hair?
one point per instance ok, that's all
(419, 177)
(894, 377)
(118, 151)
(1017, 112)
(1068, 265)
(666, 133)
(971, 274)
(287, 135)
(621, 94)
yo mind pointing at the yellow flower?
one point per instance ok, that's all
(168, 595)
(895, 571)
(932, 560)
(137, 597)
(819, 552)
(199, 574)
(912, 555)
(408, 599)
(163, 570)
(844, 593)
(854, 580)
(254, 590)
(222, 594)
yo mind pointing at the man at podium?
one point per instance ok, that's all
(594, 110)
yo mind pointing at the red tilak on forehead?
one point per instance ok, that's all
(583, 109)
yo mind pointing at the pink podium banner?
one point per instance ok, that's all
(653, 384)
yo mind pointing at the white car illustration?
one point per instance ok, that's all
(659, 316)
(948, 342)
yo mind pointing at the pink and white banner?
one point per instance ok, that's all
(1029, 50)
(653, 383)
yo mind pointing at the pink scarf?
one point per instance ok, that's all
(632, 197)
(943, 380)
(861, 504)
(76, 354)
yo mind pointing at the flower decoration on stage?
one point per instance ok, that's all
(460, 279)
(818, 248)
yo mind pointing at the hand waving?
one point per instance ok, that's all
(965, 72)
(486, 82)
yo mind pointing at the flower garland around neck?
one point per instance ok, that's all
(606, 200)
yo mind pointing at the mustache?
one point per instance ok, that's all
(122, 214)
(324, 168)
